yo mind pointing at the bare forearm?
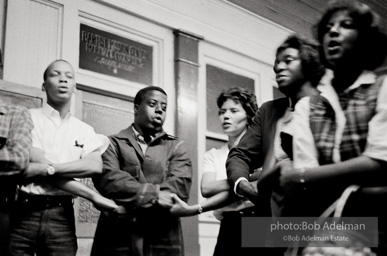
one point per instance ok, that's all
(73, 187)
(180, 208)
(85, 167)
(78, 169)
(216, 201)
(360, 170)
(212, 188)
(79, 189)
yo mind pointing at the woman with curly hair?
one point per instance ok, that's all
(298, 73)
(348, 119)
(237, 107)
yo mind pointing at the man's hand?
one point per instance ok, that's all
(118, 212)
(248, 190)
(165, 199)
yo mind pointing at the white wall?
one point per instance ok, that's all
(39, 31)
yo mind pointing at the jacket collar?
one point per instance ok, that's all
(128, 134)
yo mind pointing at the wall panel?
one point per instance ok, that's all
(33, 39)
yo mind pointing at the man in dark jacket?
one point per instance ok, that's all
(143, 166)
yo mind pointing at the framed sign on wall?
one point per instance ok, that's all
(113, 55)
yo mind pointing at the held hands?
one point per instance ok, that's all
(281, 177)
(165, 199)
(110, 208)
(289, 178)
(248, 190)
(181, 208)
(118, 212)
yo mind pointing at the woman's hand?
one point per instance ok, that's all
(181, 208)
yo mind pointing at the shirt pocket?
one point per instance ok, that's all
(74, 153)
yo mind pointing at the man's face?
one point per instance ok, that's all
(60, 82)
(150, 114)
(288, 70)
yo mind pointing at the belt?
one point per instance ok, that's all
(43, 201)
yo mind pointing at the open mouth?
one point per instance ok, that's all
(158, 119)
(333, 47)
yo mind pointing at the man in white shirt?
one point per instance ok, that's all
(64, 148)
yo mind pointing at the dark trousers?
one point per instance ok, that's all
(4, 229)
(151, 231)
(43, 225)
(6, 201)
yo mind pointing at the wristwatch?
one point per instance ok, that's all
(50, 170)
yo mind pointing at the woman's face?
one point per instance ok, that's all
(233, 118)
(288, 70)
(339, 40)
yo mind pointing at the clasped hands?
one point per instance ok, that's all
(282, 176)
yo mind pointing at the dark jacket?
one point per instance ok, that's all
(255, 149)
(133, 179)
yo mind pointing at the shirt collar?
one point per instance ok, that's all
(135, 131)
(290, 104)
(51, 112)
(328, 92)
(366, 77)
(139, 136)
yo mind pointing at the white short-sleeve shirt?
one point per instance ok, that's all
(215, 161)
(61, 140)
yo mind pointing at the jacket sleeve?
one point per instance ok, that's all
(179, 176)
(120, 185)
(247, 155)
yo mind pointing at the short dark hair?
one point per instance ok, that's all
(308, 50)
(141, 93)
(243, 96)
(372, 37)
(45, 74)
